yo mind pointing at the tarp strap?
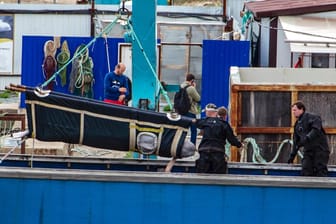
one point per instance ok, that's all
(146, 129)
(159, 140)
(33, 119)
(175, 142)
(132, 135)
(81, 128)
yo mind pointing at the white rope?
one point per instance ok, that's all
(12, 150)
(87, 152)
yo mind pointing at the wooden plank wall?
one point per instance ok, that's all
(263, 112)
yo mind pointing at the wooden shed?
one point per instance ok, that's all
(260, 106)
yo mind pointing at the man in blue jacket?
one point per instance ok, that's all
(116, 85)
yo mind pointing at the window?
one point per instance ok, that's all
(320, 60)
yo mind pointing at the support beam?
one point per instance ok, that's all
(144, 85)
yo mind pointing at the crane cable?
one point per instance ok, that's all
(160, 87)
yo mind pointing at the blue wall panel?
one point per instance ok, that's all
(46, 201)
(218, 57)
(33, 55)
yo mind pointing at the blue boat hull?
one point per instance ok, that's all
(36, 195)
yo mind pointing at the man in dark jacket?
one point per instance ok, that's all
(309, 134)
(212, 146)
(194, 99)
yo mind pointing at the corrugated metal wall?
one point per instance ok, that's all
(74, 20)
(218, 57)
(46, 25)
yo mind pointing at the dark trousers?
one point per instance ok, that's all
(193, 129)
(314, 163)
(211, 162)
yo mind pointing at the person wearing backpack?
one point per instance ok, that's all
(194, 98)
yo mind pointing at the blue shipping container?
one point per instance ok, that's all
(218, 57)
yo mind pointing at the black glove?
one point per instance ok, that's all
(291, 159)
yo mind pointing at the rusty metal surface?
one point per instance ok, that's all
(270, 8)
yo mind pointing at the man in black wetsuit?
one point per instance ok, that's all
(212, 146)
(309, 134)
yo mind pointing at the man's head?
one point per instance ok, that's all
(119, 68)
(298, 108)
(190, 77)
(210, 110)
(222, 112)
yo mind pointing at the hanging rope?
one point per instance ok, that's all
(82, 59)
(105, 31)
(81, 77)
(256, 151)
